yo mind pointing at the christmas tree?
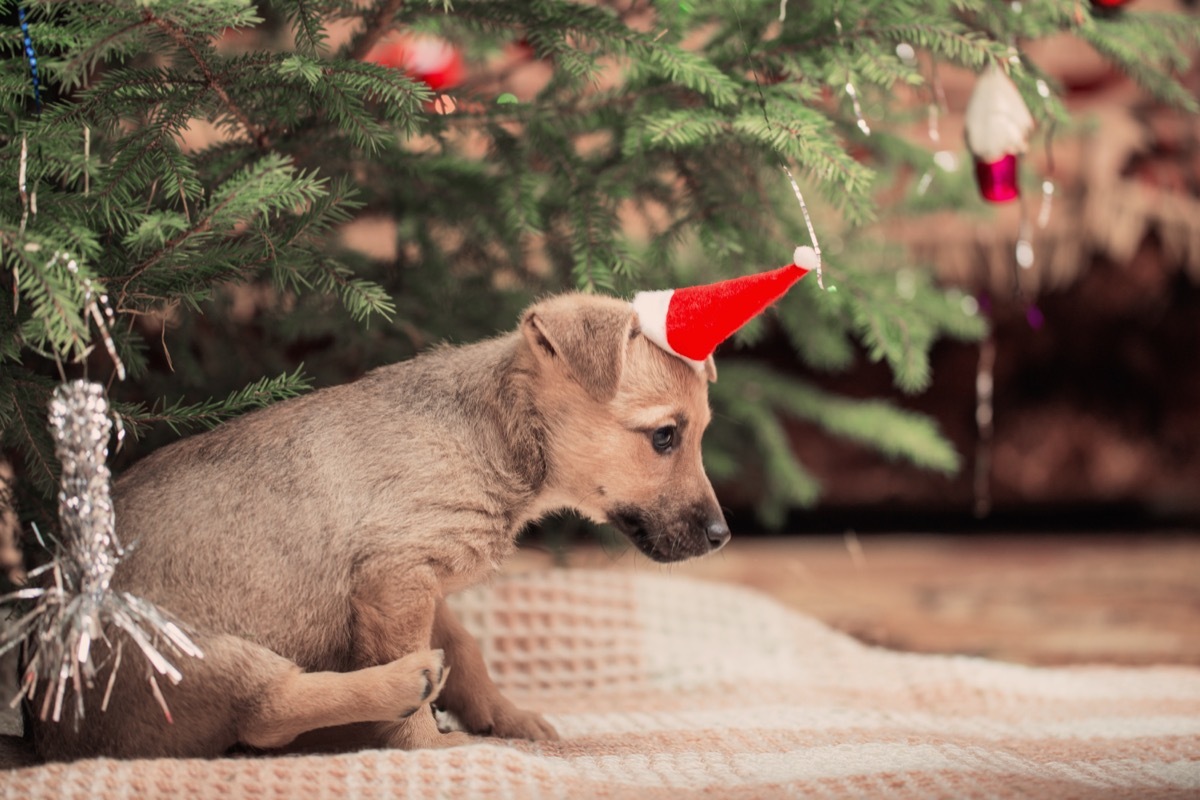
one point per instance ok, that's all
(186, 180)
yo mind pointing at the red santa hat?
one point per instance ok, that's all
(691, 322)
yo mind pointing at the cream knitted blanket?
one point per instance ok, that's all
(667, 687)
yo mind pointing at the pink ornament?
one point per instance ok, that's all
(997, 180)
(1109, 5)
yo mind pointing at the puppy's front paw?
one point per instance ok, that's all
(507, 721)
(450, 739)
(419, 732)
(521, 724)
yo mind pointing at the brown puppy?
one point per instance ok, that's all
(310, 545)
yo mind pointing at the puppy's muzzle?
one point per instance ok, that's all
(669, 537)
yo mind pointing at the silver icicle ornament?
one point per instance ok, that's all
(75, 607)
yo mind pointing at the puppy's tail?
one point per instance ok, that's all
(16, 752)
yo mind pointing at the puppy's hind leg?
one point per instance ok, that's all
(295, 702)
(238, 692)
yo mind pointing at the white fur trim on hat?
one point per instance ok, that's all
(651, 308)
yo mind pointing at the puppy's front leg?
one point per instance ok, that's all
(469, 691)
(392, 618)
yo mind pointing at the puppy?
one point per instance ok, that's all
(310, 546)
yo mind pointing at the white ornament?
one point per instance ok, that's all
(998, 123)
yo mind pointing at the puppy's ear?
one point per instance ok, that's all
(710, 369)
(587, 337)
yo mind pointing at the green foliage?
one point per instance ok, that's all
(648, 154)
(180, 416)
(898, 315)
(753, 397)
(1151, 48)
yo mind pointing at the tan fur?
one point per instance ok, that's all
(310, 545)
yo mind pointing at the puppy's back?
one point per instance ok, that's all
(255, 528)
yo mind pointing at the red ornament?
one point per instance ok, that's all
(524, 50)
(998, 179)
(431, 60)
(1109, 5)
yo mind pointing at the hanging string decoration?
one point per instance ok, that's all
(1043, 218)
(96, 305)
(944, 160)
(812, 231)
(851, 91)
(76, 607)
(28, 199)
(984, 388)
(30, 57)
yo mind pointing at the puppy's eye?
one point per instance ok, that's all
(664, 438)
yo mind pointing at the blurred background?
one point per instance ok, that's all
(1096, 404)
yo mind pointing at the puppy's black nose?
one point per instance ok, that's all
(718, 534)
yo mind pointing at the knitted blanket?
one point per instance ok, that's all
(667, 687)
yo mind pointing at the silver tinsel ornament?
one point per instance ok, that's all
(76, 605)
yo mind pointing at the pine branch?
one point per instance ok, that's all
(51, 282)
(255, 132)
(1148, 48)
(270, 185)
(786, 482)
(952, 42)
(878, 425)
(83, 61)
(23, 406)
(375, 26)
(307, 23)
(208, 414)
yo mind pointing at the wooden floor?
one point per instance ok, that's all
(1045, 599)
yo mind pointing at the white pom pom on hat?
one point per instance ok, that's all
(689, 323)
